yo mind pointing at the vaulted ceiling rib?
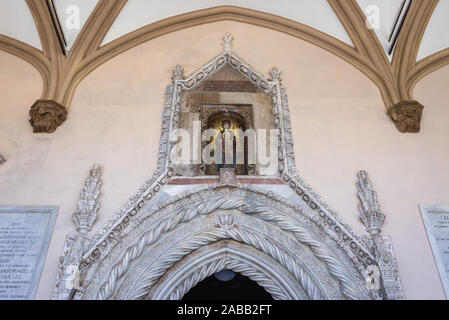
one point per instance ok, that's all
(315, 13)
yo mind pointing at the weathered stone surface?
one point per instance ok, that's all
(2, 159)
(407, 116)
(46, 116)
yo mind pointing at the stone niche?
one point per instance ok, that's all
(225, 94)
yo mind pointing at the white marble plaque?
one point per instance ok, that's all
(25, 234)
(436, 220)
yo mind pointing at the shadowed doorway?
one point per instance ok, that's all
(227, 285)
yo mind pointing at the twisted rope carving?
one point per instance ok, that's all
(146, 283)
(334, 265)
(225, 203)
(235, 265)
(244, 236)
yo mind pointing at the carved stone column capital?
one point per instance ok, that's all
(407, 116)
(47, 115)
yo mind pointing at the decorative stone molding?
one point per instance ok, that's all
(89, 203)
(388, 265)
(227, 42)
(178, 73)
(369, 208)
(227, 176)
(47, 116)
(221, 198)
(68, 278)
(381, 245)
(407, 116)
(306, 240)
(2, 159)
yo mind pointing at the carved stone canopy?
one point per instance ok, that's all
(407, 116)
(47, 115)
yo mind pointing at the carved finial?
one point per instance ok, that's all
(178, 73)
(2, 159)
(275, 74)
(227, 42)
(369, 208)
(89, 204)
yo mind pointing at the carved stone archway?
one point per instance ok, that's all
(290, 242)
(260, 227)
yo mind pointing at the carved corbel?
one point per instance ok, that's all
(68, 278)
(407, 116)
(46, 116)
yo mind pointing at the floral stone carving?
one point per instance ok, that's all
(407, 116)
(88, 204)
(46, 116)
(369, 208)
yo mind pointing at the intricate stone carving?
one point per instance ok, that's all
(67, 280)
(407, 116)
(227, 176)
(178, 73)
(46, 116)
(369, 208)
(126, 246)
(227, 42)
(2, 159)
(89, 204)
(275, 74)
(388, 265)
(381, 245)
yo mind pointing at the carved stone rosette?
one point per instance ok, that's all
(407, 116)
(227, 176)
(47, 115)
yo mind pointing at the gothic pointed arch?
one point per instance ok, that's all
(290, 241)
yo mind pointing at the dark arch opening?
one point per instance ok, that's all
(239, 288)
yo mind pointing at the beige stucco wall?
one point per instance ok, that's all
(338, 119)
